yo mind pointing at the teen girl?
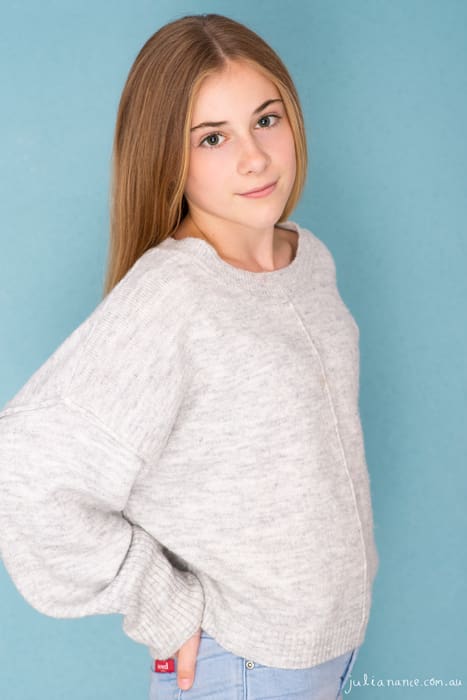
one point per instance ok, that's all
(192, 456)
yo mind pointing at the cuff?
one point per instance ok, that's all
(166, 605)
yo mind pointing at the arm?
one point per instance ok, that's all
(64, 538)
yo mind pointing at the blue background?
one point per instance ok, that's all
(384, 91)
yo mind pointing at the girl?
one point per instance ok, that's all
(191, 456)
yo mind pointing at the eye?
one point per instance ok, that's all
(268, 120)
(212, 140)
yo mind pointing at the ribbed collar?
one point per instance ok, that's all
(276, 283)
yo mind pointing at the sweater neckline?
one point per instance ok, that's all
(276, 283)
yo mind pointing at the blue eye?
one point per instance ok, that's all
(211, 140)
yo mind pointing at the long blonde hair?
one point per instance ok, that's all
(150, 155)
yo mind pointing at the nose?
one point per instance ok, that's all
(252, 158)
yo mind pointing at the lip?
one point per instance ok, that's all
(260, 191)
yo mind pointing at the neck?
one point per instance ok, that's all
(247, 259)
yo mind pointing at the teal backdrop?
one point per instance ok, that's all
(384, 90)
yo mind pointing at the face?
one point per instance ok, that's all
(241, 142)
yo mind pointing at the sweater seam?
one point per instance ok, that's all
(345, 461)
(28, 407)
(57, 401)
(102, 426)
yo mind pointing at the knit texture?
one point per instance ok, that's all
(192, 456)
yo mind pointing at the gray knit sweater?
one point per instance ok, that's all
(192, 456)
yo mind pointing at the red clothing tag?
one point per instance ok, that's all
(164, 665)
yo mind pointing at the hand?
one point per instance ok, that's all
(186, 661)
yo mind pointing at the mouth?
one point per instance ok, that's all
(260, 191)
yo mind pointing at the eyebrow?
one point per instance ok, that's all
(256, 111)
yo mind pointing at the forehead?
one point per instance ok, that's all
(239, 87)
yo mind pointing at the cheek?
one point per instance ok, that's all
(283, 145)
(197, 177)
(206, 172)
(293, 162)
(289, 151)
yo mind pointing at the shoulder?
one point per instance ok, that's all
(145, 311)
(321, 252)
(157, 268)
(137, 320)
(159, 283)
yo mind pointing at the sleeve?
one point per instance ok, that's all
(64, 537)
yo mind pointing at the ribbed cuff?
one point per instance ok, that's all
(166, 605)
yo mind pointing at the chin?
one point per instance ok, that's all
(267, 218)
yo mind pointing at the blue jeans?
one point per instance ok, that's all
(221, 675)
